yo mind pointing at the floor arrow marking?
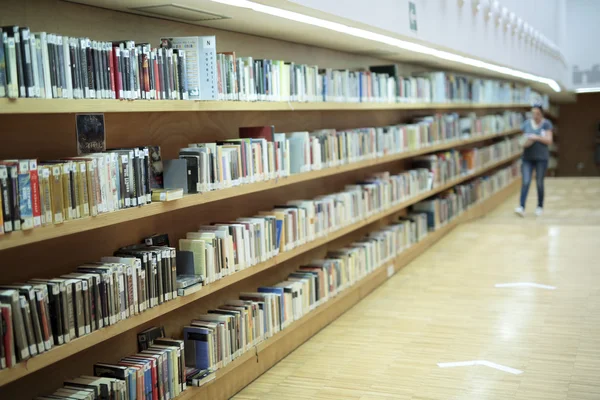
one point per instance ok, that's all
(525, 284)
(486, 363)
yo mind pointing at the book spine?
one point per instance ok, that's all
(19, 58)
(35, 193)
(84, 68)
(89, 70)
(27, 61)
(111, 70)
(6, 199)
(11, 67)
(40, 62)
(62, 67)
(35, 67)
(66, 48)
(118, 76)
(3, 65)
(25, 205)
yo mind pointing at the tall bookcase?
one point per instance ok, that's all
(45, 129)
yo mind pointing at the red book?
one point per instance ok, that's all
(118, 77)
(111, 74)
(153, 363)
(36, 204)
(7, 335)
(258, 132)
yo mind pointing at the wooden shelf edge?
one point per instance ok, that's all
(21, 238)
(251, 365)
(69, 106)
(59, 353)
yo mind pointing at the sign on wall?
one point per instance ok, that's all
(412, 16)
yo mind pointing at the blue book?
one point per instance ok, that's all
(360, 86)
(24, 184)
(278, 229)
(196, 347)
(278, 291)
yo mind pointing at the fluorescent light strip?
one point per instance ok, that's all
(376, 37)
(588, 90)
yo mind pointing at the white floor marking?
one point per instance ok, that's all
(486, 363)
(525, 284)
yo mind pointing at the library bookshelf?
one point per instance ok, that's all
(68, 106)
(21, 238)
(80, 344)
(235, 376)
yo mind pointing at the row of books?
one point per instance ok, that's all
(216, 338)
(218, 250)
(44, 313)
(138, 277)
(451, 164)
(448, 205)
(51, 192)
(156, 372)
(47, 65)
(449, 87)
(473, 125)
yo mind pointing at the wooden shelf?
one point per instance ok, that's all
(236, 375)
(20, 238)
(77, 345)
(68, 106)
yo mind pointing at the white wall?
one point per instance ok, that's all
(583, 42)
(445, 23)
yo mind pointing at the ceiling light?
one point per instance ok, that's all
(376, 37)
(588, 90)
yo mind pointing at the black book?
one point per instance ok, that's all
(89, 71)
(159, 239)
(84, 68)
(105, 69)
(74, 63)
(161, 77)
(180, 75)
(146, 173)
(146, 338)
(127, 74)
(192, 172)
(7, 198)
(27, 322)
(79, 67)
(27, 61)
(139, 176)
(13, 31)
(61, 65)
(13, 191)
(98, 77)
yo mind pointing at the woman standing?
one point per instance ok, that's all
(538, 134)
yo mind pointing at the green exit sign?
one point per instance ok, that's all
(412, 16)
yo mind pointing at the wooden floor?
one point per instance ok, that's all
(444, 307)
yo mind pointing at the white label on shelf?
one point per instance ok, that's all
(390, 270)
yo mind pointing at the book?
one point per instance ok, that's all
(166, 194)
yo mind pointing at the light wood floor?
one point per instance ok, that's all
(444, 307)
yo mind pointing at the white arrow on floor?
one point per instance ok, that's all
(525, 284)
(480, 362)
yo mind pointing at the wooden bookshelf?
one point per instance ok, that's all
(236, 375)
(20, 238)
(75, 346)
(69, 106)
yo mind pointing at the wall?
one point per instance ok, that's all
(578, 132)
(444, 23)
(583, 52)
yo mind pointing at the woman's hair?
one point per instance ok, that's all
(539, 107)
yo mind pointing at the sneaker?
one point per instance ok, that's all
(539, 211)
(520, 211)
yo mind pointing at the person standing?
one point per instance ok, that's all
(538, 136)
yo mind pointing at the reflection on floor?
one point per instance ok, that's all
(444, 307)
